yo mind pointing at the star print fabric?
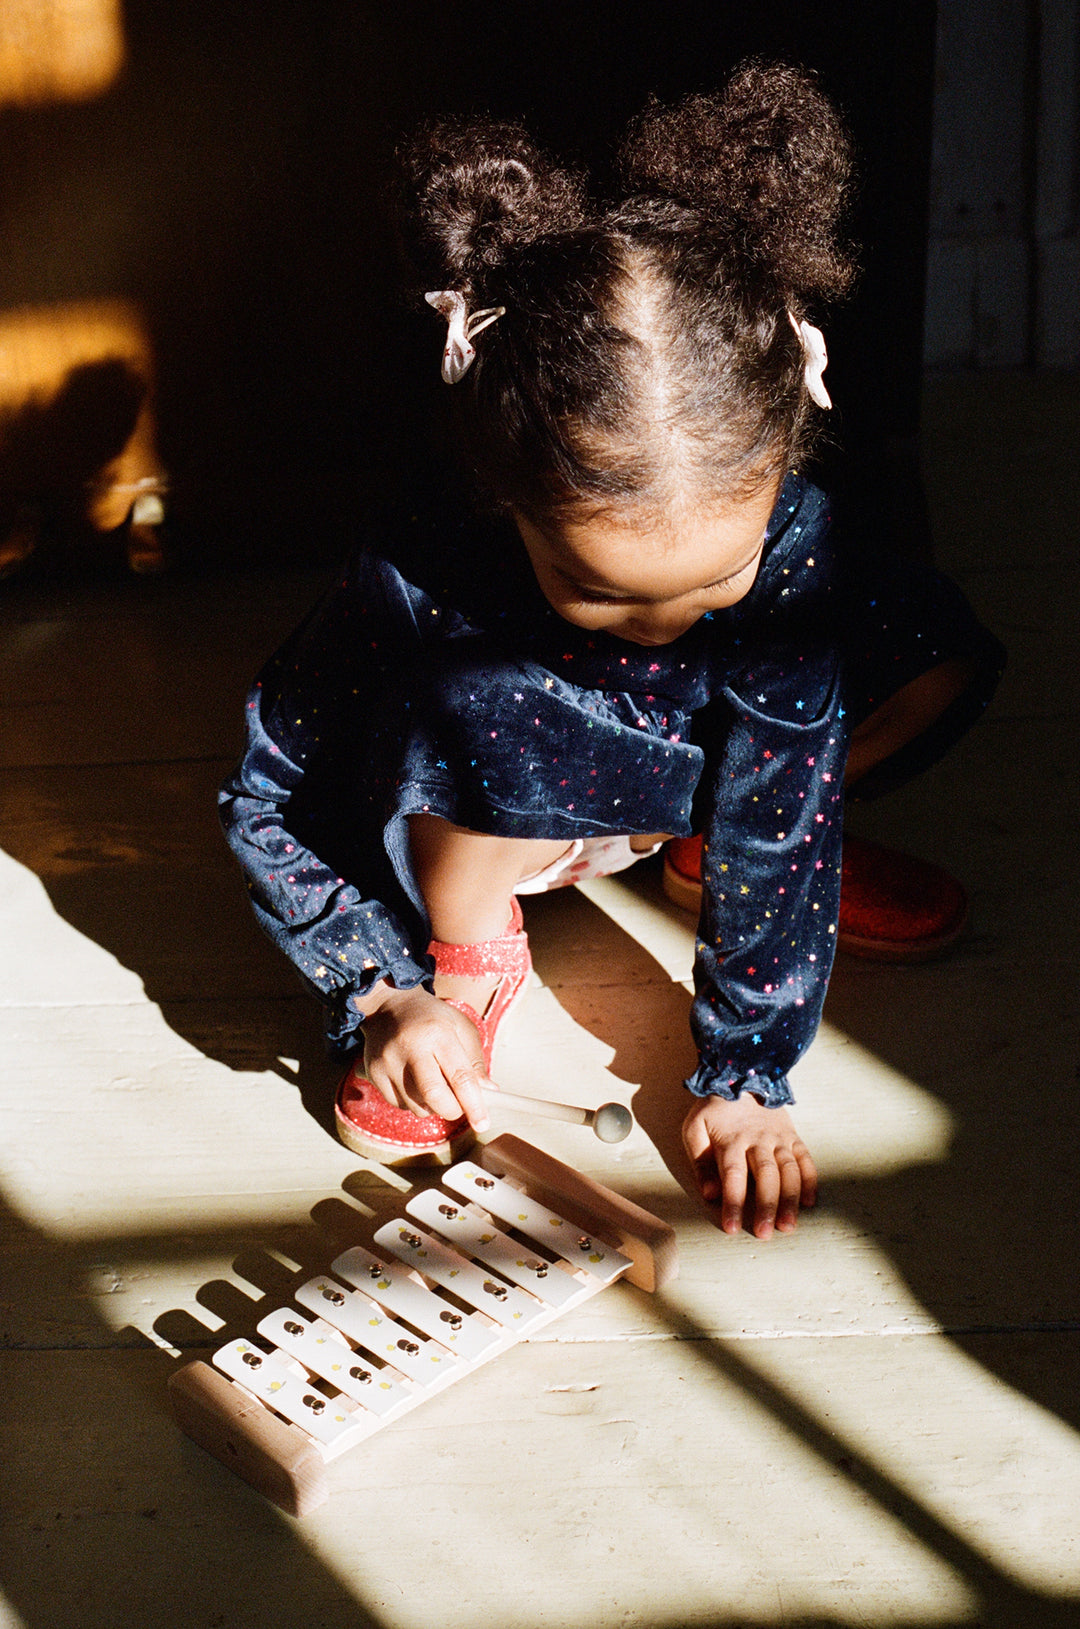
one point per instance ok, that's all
(435, 677)
(773, 824)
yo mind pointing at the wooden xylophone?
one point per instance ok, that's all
(507, 1244)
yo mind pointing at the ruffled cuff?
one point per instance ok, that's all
(344, 1003)
(771, 1088)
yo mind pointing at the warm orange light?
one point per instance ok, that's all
(44, 349)
(58, 50)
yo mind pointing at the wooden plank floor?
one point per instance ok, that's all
(876, 1421)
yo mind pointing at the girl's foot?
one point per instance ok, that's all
(895, 907)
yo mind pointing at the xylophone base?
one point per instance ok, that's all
(276, 1458)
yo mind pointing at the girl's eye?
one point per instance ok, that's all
(726, 582)
(734, 577)
(583, 596)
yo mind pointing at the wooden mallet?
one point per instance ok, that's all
(611, 1122)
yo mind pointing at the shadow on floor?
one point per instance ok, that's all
(205, 1542)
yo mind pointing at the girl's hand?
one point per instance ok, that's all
(425, 1055)
(731, 1142)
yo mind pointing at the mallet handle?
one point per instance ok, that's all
(545, 1107)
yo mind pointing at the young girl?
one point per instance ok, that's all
(653, 633)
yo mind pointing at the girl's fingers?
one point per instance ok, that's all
(732, 1166)
(382, 1081)
(766, 1192)
(425, 1091)
(791, 1189)
(708, 1179)
(808, 1174)
(448, 1086)
(420, 1090)
(703, 1157)
(732, 1142)
(467, 1076)
(467, 1084)
(428, 1057)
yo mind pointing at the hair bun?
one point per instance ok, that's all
(768, 161)
(475, 192)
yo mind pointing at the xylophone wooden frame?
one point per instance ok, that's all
(287, 1464)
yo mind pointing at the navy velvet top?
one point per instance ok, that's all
(435, 676)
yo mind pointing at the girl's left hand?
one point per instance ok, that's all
(730, 1142)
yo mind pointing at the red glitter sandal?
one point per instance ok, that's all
(893, 906)
(371, 1126)
(682, 872)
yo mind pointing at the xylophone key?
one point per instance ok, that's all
(479, 1237)
(364, 1321)
(397, 1290)
(322, 1350)
(510, 1307)
(508, 1204)
(325, 1419)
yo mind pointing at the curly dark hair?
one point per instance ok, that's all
(646, 352)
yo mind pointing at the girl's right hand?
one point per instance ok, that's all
(748, 1157)
(424, 1054)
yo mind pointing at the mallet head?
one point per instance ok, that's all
(612, 1122)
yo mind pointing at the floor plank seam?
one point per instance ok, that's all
(886, 1332)
(641, 1338)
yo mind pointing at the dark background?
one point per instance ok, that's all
(232, 183)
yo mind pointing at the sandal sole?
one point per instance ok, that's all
(682, 891)
(401, 1154)
(891, 950)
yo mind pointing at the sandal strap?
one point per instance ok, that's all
(474, 1019)
(506, 959)
(506, 956)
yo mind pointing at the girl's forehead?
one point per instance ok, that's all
(682, 548)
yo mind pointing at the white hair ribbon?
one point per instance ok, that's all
(461, 330)
(817, 360)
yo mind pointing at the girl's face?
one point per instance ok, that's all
(649, 584)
